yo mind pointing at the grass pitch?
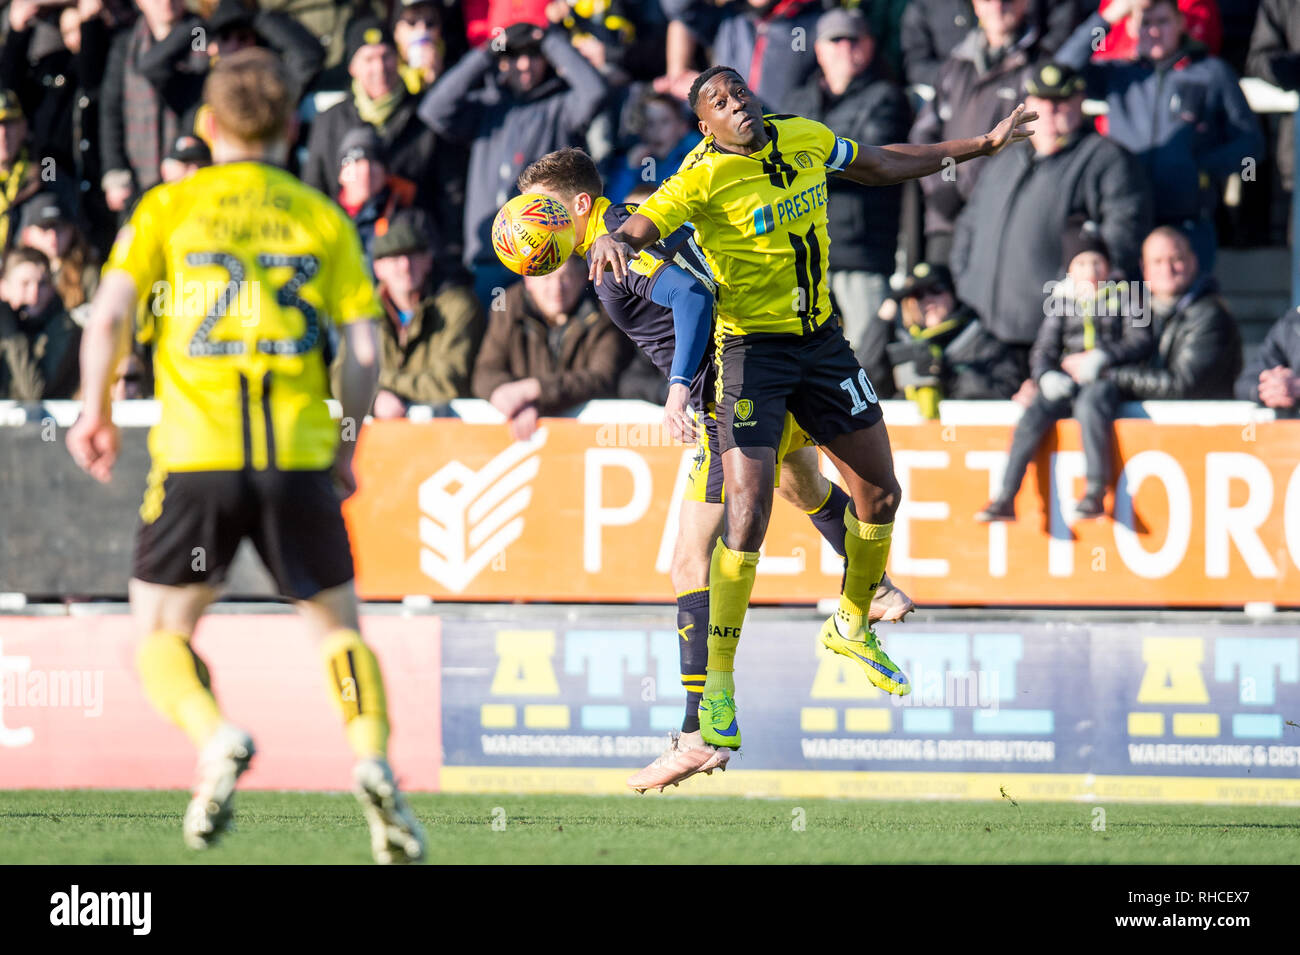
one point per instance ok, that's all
(89, 826)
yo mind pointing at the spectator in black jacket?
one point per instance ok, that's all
(38, 341)
(1088, 328)
(978, 84)
(927, 346)
(1275, 57)
(412, 150)
(850, 95)
(1271, 378)
(511, 106)
(1006, 247)
(1198, 347)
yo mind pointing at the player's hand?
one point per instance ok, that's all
(1014, 129)
(677, 418)
(388, 405)
(524, 424)
(344, 476)
(93, 444)
(1027, 393)
(609, 253)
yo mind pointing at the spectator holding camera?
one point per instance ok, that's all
(928, 346)
(1088, 328)
(417, 31)
(1198, 346)
(38, 341)
(1178, 109)
(526, 93)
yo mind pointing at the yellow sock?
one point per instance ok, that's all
(357, 687)
(731, 581)
(177, 683)
(867, 550)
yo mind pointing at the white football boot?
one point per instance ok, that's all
(396, 836)
(223, 759)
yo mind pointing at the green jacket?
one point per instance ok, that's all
(429, 362)
(39, 357)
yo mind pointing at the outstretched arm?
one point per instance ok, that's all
(887, 165)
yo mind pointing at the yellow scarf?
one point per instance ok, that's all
(377, 112)
(10, 184)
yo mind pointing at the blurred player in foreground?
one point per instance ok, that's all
(665, 305)
(755, 190)
(245, 446)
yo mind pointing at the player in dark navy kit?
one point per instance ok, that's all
(664, 304)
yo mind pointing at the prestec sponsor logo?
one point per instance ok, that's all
(468, 517)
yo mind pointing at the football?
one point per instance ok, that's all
(533, 234)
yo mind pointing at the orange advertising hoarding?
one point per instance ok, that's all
(1203, 515)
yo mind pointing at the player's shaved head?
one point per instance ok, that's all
(693, 97)
(248, 93)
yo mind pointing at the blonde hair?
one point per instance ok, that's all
(248, 93)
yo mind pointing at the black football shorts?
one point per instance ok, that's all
(816, 378)
(191, 524)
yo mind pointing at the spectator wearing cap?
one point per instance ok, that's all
(1198, 346)
(413, 151)
(140, 117)
(74, 267)
(927, 346)
(417, 31)
(1275, 57)
(1007, 242)
(665, 134)
(764, 39)
(233, 25)
(1089, 327)
(552, 347)
(187, 156)
(38, 341)
(526, 94)
(850, 94)
(1177, 108)
(433, 322)
(978, 84)
(367, 192)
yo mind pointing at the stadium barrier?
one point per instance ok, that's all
(572, 699)
(1206, 511)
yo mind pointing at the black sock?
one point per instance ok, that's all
(693, 644)
(829, 518)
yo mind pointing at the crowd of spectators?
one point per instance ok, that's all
(417, 116)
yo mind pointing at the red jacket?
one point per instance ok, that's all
(1202, 23)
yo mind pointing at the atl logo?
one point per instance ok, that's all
(467, 517)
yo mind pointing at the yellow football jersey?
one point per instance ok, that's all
(761, 221)
(243, 271)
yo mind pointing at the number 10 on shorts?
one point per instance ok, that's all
(858, 404)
